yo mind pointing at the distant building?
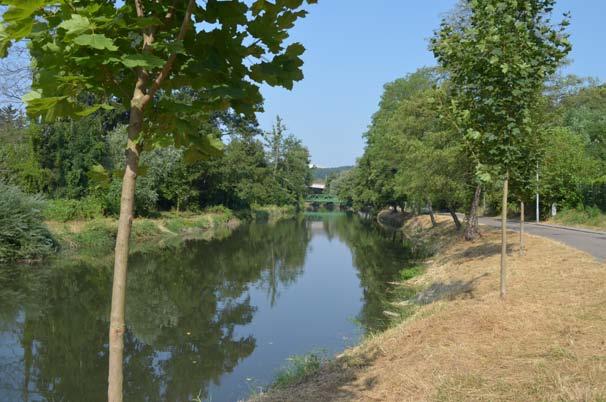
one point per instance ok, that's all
(317, 188)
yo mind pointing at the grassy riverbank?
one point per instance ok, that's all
(97, 236)
(461, 342)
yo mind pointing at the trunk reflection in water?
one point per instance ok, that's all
(215, 318)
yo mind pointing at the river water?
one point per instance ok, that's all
(215, 319)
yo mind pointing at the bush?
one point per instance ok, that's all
(23, 236)
(69, 210)
(583, 216)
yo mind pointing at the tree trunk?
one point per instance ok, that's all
(522, 219)
(504, 236)
(127, 202)
(455, 218)
(431, 215)
(472, 230)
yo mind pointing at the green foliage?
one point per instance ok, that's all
(411, 272)
(582, 216)
(498, 58)
(98, 237)
(63, 210)
(23, 236)
(299, 369)
(566, 169)
(220, 51)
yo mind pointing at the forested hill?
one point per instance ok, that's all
(321, 174)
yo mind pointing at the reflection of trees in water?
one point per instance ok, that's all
(183, 307)
(378, 256)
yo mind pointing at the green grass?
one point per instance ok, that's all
(591, 217)
(272, 213)
(411, 272)
(62, 210)
(299, 369)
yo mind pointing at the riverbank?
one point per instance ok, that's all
(545, 342)
(97, 236)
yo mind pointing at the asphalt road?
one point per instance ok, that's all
(591, 242)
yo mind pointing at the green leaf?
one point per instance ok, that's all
(203, 148)
(5, 44)
(35, 105)
(146, 22)
(22, 10)
(98, 176)
(76, 25)
(31, 96)
(142, 60)
(92, 109)
(96, 41)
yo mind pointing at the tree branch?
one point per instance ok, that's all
(171, 60)
(139, 8)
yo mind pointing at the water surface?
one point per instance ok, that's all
(216, 319)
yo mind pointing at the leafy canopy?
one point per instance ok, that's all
(498, 57)
(218, 51)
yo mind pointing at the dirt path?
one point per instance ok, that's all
(545, 342)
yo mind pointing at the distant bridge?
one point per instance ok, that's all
(323, 200)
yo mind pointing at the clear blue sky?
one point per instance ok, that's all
(356, 46)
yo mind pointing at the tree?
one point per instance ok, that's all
(498, 62)
(131, 56)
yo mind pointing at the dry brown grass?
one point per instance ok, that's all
(545, 342)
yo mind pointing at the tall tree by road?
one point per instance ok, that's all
(498, 61)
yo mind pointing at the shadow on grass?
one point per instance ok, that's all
(447, 291)
(482, 251)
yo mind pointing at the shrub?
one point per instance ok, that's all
(68, 210)
(22, 234)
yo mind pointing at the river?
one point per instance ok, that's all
(215, 319)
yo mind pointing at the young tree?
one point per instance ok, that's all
(131, 55)
(498, 62)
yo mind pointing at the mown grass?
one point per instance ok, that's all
(591, 217)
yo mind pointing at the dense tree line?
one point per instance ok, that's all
(416, 157)
(80, 161)
(413, 158)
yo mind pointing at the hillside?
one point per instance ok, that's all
(321, 174)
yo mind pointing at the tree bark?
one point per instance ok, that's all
(431, 215)
(472, 230)
(127, 202)
(522, 219)
(455, 218)
(504, 237)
